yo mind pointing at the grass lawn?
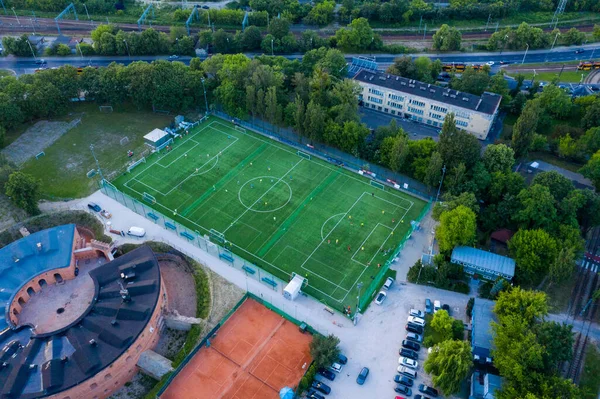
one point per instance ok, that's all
(590, 376)
(276, 207)
(566, 76)
(559, 294)
(63, 170)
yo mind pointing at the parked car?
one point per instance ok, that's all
(336, 367)
(414, 337)
(428, 390)
(312, 394)
(419, 396)
(173, 57)
(380, 297)
(416, 320)
(321, 387)
(417, 313)
(40, 61)
(428, 307)
(388, 283)
(579, 51)
(446, 307)
(490, 63)
(411, 345)
(94, 207)
(404, 380)
(414, 328)
(362, 376)
(403, 389)
(409, 354)
(342, 359)
(205, 7)
(136, 231)
(404, 361)
(105, 214)
(330, 375)
(407, 372)
(436, 306)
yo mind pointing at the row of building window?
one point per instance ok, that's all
(376, 100)
(436, 116)
(462, 123)
(438, 108)
(396, 97)
(417, 103)
(395, 105)
(462, 114)
(375, 91)
(415, 110)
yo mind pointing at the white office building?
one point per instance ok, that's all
(427, 103)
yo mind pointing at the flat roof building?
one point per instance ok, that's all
(485, 264)
(481, 331)
(427, 103)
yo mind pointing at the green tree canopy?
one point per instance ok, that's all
(533, 251)
(591, 170)
(447, 39)
(525, 128)
(449, 363)
(442, 324)
(324, 349)
(24, 191)
(457, 227)
(498, 158)
(457, 146)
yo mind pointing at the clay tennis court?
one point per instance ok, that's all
(253, 355)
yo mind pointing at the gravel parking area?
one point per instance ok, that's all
(381, 331)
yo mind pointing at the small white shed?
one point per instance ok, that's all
(156, 138)
(293, 288)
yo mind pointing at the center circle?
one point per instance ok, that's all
(261, 201)
(60, 310)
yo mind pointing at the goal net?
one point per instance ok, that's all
(124, 140)
(239, 129)
(136, 163)
(378, 185)
(164, 145)
(304, 155)
(149, 198)
(106, 108)
(216, 236)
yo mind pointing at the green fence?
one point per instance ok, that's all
(371, 290)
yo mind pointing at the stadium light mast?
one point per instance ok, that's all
(96, 159)
(205, 101)
(358, 286)
(441, 181)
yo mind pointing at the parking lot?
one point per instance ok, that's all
(379, 338)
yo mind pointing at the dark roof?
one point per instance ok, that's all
(487, 103)
(62, 39)
(481, 338)
(502, 235)
(30, 256)
(45, 364)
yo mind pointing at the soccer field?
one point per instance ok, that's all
(279, 208)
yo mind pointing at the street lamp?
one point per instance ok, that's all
(127, 47)
(205, 101)
(504, 46)
(271, 47)
(358, 286)
(553, 43)
(86, 11)
(31, 48)
(14, 12)
(592, 57)
(525, 55)
(79, 48)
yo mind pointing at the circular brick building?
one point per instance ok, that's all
(75, 320)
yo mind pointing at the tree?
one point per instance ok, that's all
(472, 81)
(498, 158)
(525, 128)
(451, 202)
(573, 36)
(324, 349)
(457, 227)
(589, 143)
(357, 36)
(433, 173)
(533, 252)
(450, 363)
(447, 39)
(320, 14)
(279, 27)
(24, 191)
(561, 269)
(251, 38)
(394, 151)
(557, 340)
(457, 146)
(556, 101)
(592, 116)
(442, 324)
(591, 170)
(528, 305)
(559, 185)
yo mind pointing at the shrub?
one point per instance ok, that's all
(470, 307)
(324, 349)
(458, 329)
(428, 342)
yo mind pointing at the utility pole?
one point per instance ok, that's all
(14, 12)
(359, 286)
(420, 22)
(497, 25)
(127, 46)
(205, 101)
(86, 11)
(561, 71)
(96, 159)
(525, 55)
(272, 47)
(441, 182)
(488, 22)
(79, 48)
(31, 48)
(553, 43)
(424, 32)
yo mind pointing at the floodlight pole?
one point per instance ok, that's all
(86, 11)
(127, 46)
(31, 48)
(359, 286)
(14, 12)
(525, 55)
(96, 159)
(205, 101)
(441, 182)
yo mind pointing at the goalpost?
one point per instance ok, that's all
(376, 184)
(106, 108)
(124, 140)
(239, 128)
(136, 163)
(303, 155)
(217, 236)
(149, 198)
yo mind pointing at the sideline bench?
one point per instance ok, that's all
(186, 235)
(226, 256)
(269, 282)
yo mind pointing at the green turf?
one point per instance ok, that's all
(279, 210)
(566, 76)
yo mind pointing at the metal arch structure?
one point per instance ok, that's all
(144, 16)
(70, 7)
(194, 16)
(245, 21)
(559, 10)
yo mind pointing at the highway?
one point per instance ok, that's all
(23, 65)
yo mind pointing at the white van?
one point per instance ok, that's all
(436, 306)
(136, 231)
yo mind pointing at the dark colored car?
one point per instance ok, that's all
(362, 376)
(403, 389)
(411, 345)
(404, 380)
(205, 7)
(428, 306)
(446, 307)
(409, 354)
(321, 387)
(94, 207)
(579, 51)
(428, 390)
(414, 328)
(342, 359)
(173, 57)
(421, 397)
(312, 394)
(330, 375)
(40, 61)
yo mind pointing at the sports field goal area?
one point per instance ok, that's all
(279, 208)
